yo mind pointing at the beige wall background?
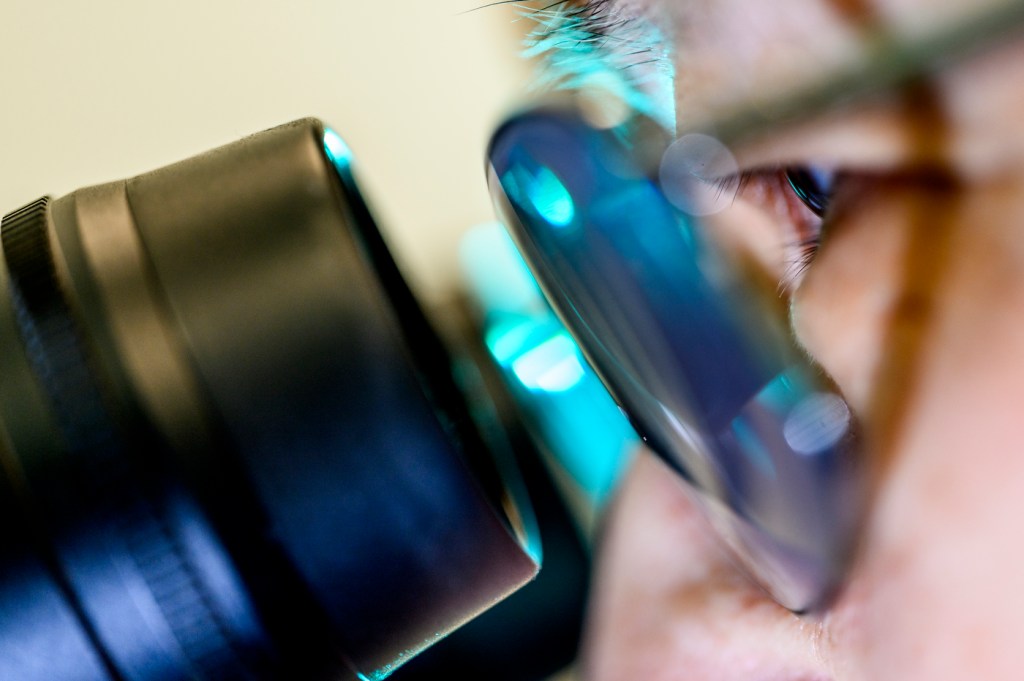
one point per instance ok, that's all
(94, 91)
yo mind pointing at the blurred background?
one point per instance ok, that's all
(93, 92)
(97, 91)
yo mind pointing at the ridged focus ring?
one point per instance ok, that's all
(130, 507)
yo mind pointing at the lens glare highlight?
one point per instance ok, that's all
(337, 150)
(583, 434)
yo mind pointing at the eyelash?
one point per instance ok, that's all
(595, 21)
(595, 13)
(803, 227)
(580, 40)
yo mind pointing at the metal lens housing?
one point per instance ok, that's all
(231, 444)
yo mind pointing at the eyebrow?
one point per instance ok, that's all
(598, 45)
(891, 64)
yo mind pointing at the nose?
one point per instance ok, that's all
(669, 605)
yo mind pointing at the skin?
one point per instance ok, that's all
(914, 305)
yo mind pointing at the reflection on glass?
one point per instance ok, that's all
(695, 355)
(588, 440)
(337, 151)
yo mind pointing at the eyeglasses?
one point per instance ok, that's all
(614, 224)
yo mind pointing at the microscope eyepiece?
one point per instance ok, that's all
(232, 446)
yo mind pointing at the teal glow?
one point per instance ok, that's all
(506, 340)
(632, 69)
(550, 198)
(337, 151)
(753, 447)
(379, 675)
(403, 657)
(578, 421)
(553, 366)
(387, 670)
(493, 270)
(570, 411)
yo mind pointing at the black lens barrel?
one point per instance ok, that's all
(232, 447)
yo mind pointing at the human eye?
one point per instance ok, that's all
(774, 217)
(813, 185)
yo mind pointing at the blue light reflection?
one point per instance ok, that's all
(337, 151)
(551, 199)
(555, 365)
(579, 424)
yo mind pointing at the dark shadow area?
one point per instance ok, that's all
(535, 632)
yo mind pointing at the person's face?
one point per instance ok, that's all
(914, 303)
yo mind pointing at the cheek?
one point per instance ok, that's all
(917, 286)
(932, 330)
(667, 604)
(847, 297)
